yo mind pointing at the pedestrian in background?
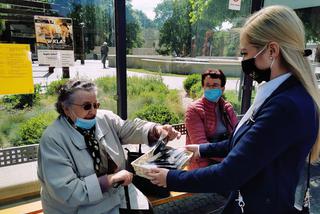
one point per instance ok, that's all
(104, 53)
(265, 156)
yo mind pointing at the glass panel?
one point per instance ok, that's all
(185, 37)
(86, 23)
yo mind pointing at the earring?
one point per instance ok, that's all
(271, 58)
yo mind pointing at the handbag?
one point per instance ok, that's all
(144, 184)
(128, 210)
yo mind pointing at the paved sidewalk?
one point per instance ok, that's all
(92, 69)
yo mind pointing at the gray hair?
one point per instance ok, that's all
(66, 92)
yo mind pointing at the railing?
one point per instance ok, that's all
(181, 127)
(23, 154)
(17, 155)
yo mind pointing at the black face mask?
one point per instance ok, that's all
(249, 67)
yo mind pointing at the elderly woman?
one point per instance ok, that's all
(81, 156)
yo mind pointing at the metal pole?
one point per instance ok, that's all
(121, 64)
(247, 82)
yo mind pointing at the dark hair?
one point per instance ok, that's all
(214, 74)
(68, 89)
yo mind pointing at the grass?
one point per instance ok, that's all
(17, 125)
(140, 70)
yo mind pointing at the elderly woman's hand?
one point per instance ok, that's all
(158, 176)
(168, 131)
(124, 177)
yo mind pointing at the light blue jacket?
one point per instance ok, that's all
(65, 168)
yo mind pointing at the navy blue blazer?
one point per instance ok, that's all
(264, 158)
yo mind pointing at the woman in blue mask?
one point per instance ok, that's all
(81, 156)
(210, 118)
(265, 155)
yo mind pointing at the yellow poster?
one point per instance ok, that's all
(15, 69)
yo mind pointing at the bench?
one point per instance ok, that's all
(26, 156)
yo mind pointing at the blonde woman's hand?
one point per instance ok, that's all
(158, 176)
(195, 149)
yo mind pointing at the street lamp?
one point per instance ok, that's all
(82, 25)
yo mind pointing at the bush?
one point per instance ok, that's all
(158, 114)
(30, 131)
(21, 101)
(190, 81)
(232, 97)
(54, 86)
(138, 85)
(141, 92)
(196, 91)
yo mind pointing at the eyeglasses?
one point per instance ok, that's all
(215, 85)
(88, 106)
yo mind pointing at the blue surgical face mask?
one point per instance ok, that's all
(213, 95)
(85, 123)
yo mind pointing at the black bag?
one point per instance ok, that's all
(143, 184)
(133, 211)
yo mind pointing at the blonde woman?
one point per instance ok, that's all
(264, 157)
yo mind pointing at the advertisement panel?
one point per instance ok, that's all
(54, 41)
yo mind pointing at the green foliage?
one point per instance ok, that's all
(133, 29)
(232, 97)
(138, 86)
(157, 113)
(144, 20)
(225, 43)
(141, 92)
(190, 81)
(53, 87)
(196, 90)
(209, 15)
(163, 11)
(31, 130)
(9, 123)
(21, 127)
(21, 101)
(175, 34)
(312, 27)
(216, 11)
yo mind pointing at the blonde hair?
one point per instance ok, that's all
(282, 25)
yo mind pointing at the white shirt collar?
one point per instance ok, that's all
(264, 90)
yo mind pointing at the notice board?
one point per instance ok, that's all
(15, 69)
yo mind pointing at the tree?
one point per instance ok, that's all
(163, 12)
(176, 32)
(133, 28)
(209, 15)
(144, 20)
